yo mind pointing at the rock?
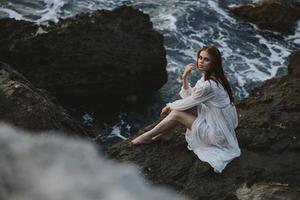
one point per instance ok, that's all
(89, 57)
(268, 168)
(60, 168)
(270, 15)
(294, 63)
(265, 191)
(25, 106)
(272, 125)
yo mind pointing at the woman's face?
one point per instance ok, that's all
(204, 61)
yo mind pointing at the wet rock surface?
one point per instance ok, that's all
(269, 137)
(271, 15)
(266, 191)
(89, 57)
(294, 63)
(28, 107)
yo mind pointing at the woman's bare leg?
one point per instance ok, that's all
(168, 122)
(168, 134)
(165, 135)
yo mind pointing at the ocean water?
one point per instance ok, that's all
(250, 55)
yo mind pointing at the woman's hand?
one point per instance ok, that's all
(188, 69)
(165, 111)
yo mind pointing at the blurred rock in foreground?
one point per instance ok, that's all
(57, 168)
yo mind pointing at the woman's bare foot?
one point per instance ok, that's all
(141, 140)
(164, 136)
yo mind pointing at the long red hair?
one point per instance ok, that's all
(216, 69)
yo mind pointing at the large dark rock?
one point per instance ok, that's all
(34, 109)
(91, 56)
(268, 168)
(270, 15)
(294, 63)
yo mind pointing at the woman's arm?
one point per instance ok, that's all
(202, 93)
(186, 88)
(187, 71)
(165, 111)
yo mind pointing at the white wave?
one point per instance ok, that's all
(53, 10)
(173, 66)
(168, 22)
(12, 14)
(220, 11)
(116, 132)
(275, 56)
(52, 167)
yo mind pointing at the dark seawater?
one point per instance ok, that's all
(249, 55)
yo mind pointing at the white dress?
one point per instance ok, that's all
(212, 136)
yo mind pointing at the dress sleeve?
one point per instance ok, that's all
(185, 92)
(200, 94)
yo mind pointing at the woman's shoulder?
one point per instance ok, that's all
(203, 85)
(215, 83)
(209, 86)
(210, 82)
(214, 79)
(200, 82)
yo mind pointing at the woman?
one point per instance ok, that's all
(211, 129)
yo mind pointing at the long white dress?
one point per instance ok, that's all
(212, 136)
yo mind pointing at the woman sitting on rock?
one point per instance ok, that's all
(206, 110)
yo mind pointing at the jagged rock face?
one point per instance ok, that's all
(269, 15)
(294, 63)
(269, 191)
(25, 106)
(98, 55)
(269, 122)
(269, 137)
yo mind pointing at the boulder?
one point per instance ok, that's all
(271, 15)
(269, 137)
(294, 63)
(92, 56)
(27, 107)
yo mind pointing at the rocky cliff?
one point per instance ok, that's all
(90, 57)
(271, 15)
(269, 137)
(28, 107)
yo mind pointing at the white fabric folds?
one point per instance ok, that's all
(212, 136)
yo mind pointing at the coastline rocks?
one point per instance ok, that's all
(269, 15)
(265, 191)
(269, 137)
(294, 63)
(269, 120)
(25, 106)
(89, 57)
